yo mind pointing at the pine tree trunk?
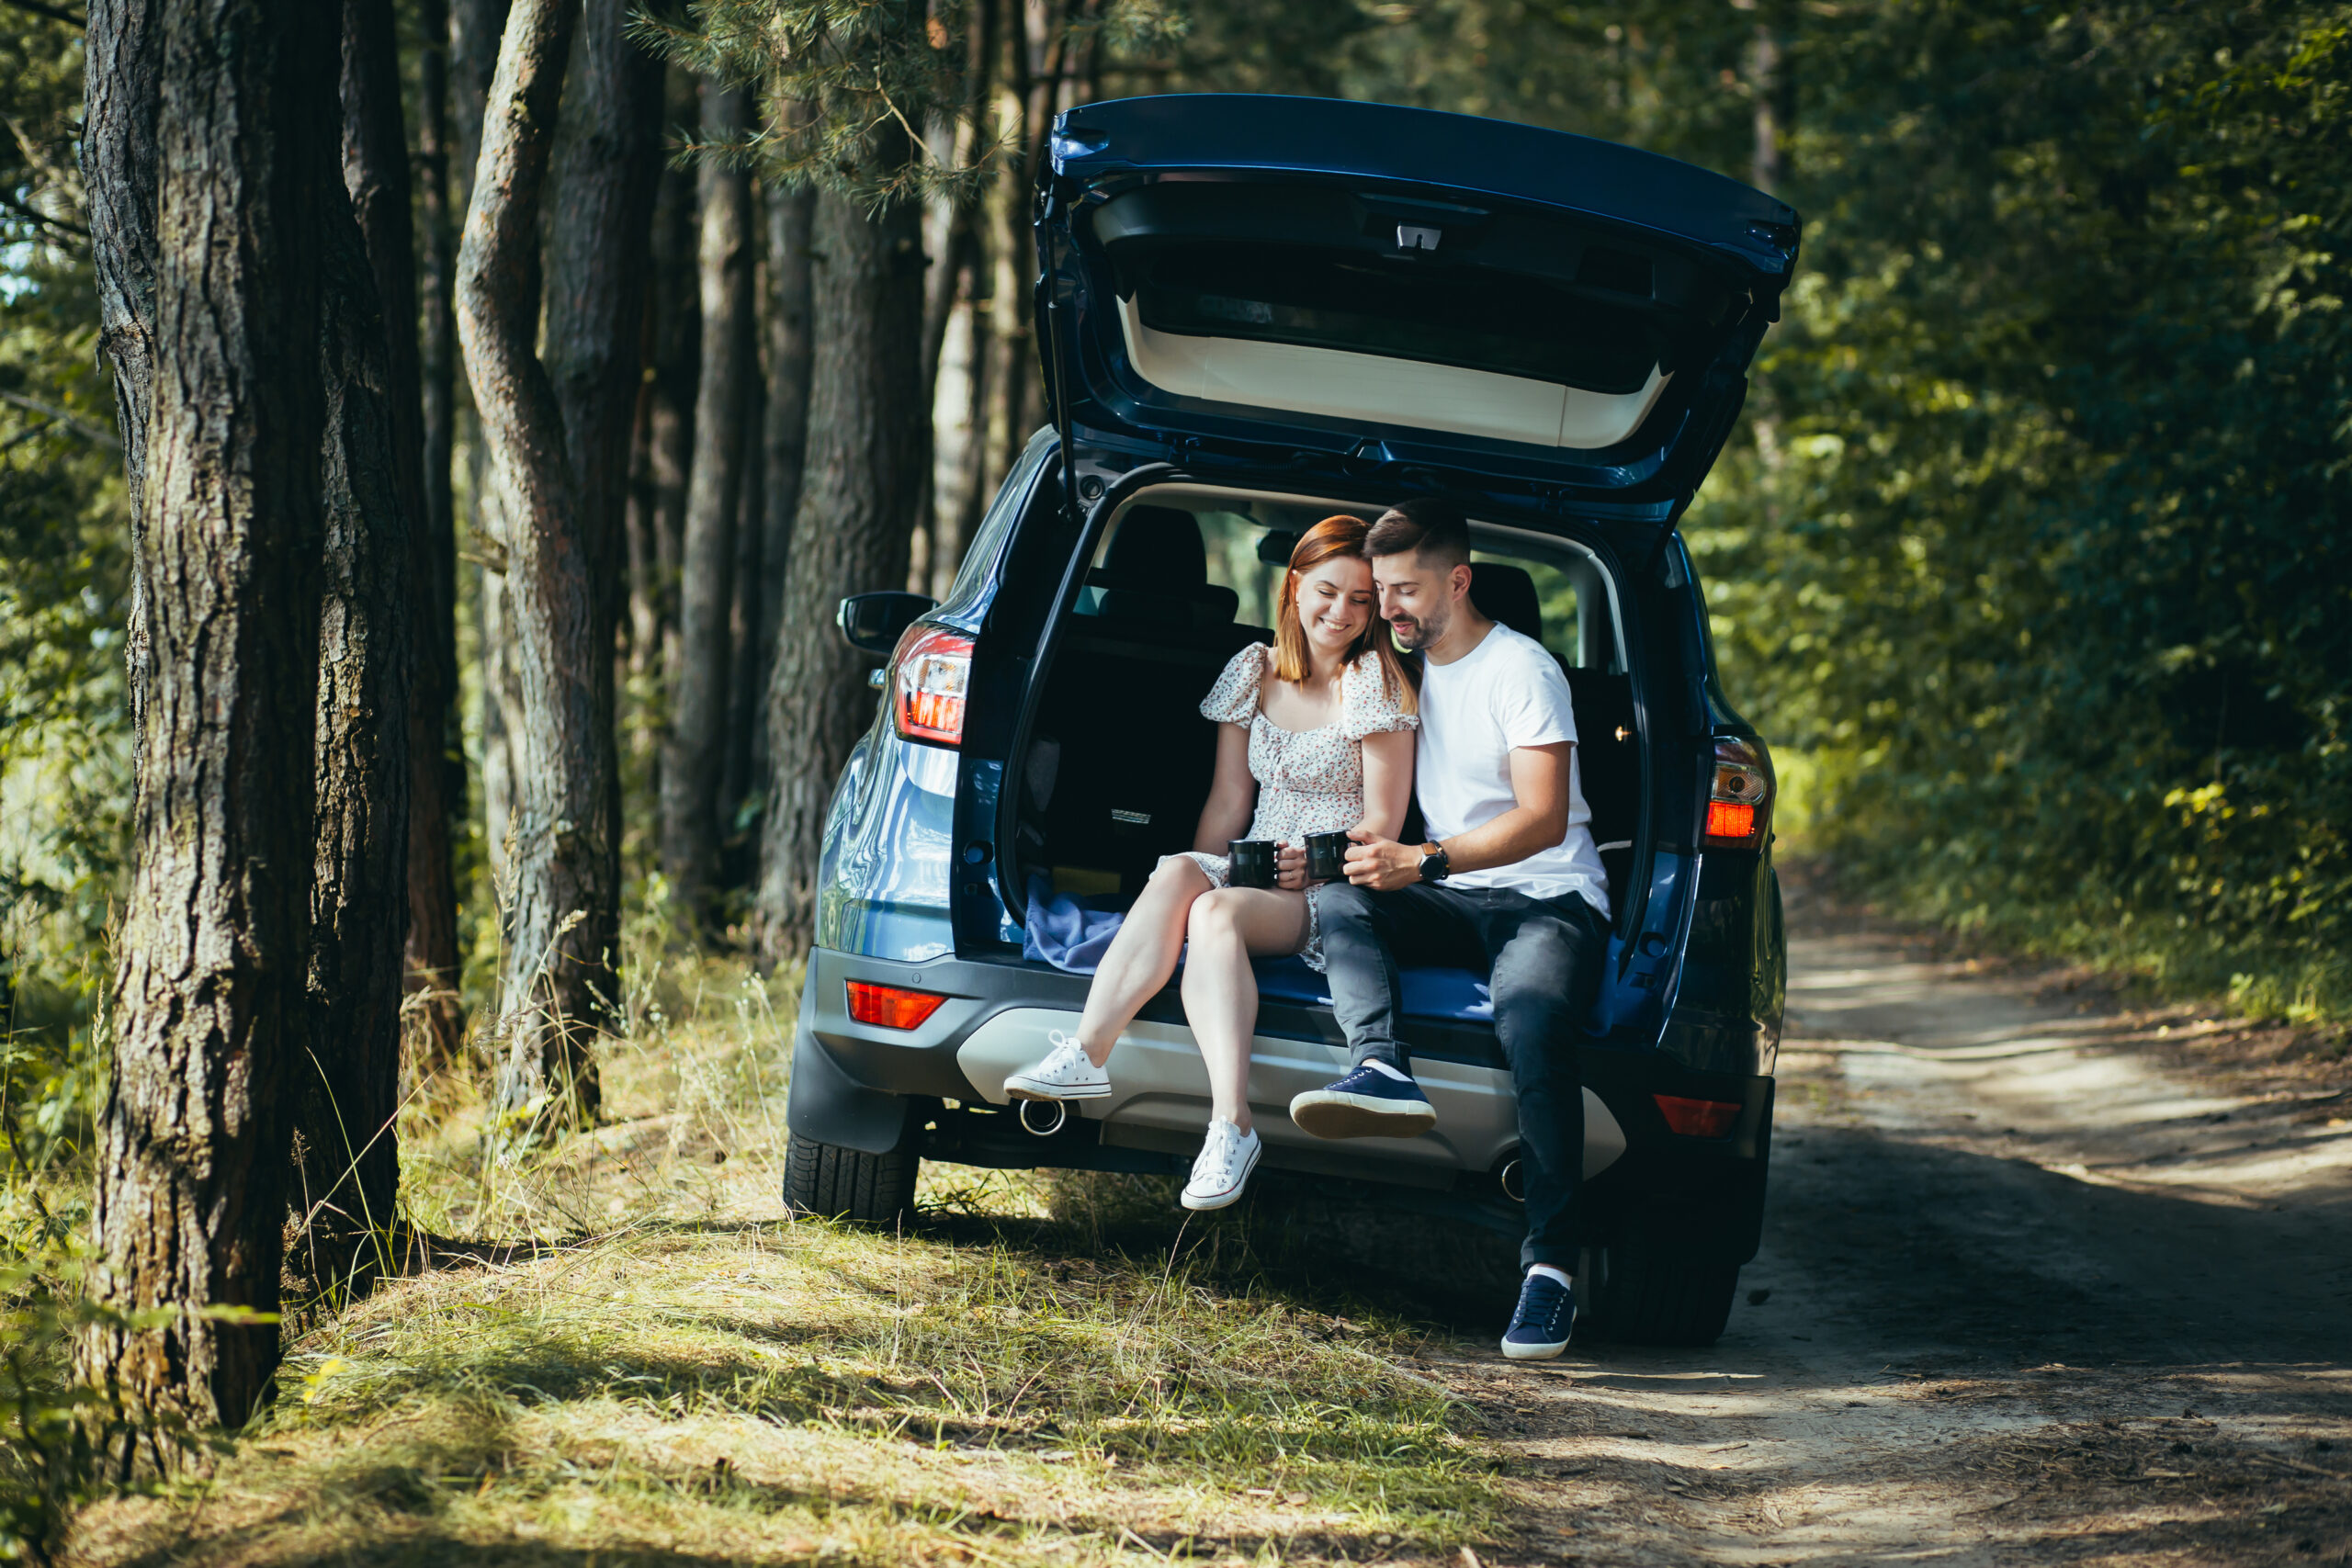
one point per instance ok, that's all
(118, 169)
(737, 852)
(694, 747)
(347, 1159)
(436, 753)
(559, 983)
(676, 337)
(476, 30)
(598, 254)
(210, 997)
(849, 535)
(783, 432)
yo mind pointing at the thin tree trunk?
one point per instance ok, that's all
(1763, 71)
(599, 253)
(693, 747)
(346, 1160)
(676, 366)
(437, 752)
(476, 29)
(785, 430)
(210, 996)
(562, 928)
(744, 690)
(119, 171)
(850, 534)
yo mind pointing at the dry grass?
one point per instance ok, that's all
(683, 1374)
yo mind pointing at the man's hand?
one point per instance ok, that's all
(1382, 864)
(1290, 865)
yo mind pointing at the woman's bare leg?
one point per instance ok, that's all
(1142, 955)
(1221, 992)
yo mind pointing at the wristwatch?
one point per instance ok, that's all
(1435, 867)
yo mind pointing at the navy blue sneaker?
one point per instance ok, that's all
(1367, 1103)
(1546, 1317)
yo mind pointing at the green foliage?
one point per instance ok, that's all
(868, 77)
(64, 771)
(2039, 545)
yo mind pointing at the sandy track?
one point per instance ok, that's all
(2026, 1295)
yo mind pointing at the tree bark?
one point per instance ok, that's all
(738, 852)
(670, 429)
(694, 746)
(210, 996)
(599, 251)
(436, 752)
(476, 29)
(558, 981)
(346, 1092)
(850, 534)
(783, 432)
(121, 93)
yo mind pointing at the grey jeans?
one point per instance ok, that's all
(1544, 958)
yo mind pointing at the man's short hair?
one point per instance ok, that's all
(1429, 523)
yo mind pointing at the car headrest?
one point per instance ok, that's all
(1507, 593)
(1158, 549)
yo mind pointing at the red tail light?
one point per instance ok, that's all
(1698, 1118)
(1739, 799)
(891, 1007)
(931, 675)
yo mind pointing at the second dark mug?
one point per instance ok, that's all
(1327, 857)
(1254, 861)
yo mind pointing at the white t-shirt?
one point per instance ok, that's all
(1505, 693)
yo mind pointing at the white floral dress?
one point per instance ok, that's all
(1309, 781)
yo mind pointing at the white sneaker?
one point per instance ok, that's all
(1065, 1074)
(1226, 1159)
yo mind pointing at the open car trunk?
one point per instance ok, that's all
(1118, 762)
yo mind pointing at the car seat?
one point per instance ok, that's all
(1156, 571)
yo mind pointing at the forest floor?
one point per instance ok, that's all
(2045, 1280)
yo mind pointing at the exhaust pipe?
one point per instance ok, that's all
(1043, 1118)
(1514, 1181)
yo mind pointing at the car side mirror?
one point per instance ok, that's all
(874, 621)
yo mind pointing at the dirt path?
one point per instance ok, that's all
(2026, 1296)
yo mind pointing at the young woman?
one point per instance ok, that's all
(1315, 736)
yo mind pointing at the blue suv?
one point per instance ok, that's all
(1256, 311)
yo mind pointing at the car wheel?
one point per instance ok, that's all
(830, 1182)
(1646, 1298)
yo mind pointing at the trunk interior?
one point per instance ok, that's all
(1118, 758)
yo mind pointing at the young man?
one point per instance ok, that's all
(1508, 879)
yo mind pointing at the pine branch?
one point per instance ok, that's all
(44, 220)
(54, 13)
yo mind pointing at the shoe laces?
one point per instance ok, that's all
(1065, 1046)
(1222, 1151)
(1540, 1301)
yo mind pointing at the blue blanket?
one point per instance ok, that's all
(1072, 934)
(1068, 932)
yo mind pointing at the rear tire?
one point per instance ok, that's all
(829, 1182)
(1645, 1298)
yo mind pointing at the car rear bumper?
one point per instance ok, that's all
(852, 1083)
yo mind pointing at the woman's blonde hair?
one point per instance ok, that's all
(1327, 540)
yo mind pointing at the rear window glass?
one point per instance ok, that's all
(1188, 565)
(1510, 324)
(1151, 554)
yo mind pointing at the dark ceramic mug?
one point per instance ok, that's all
(1254, 861)
(1327, 857)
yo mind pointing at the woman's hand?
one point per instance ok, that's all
(1290, 865)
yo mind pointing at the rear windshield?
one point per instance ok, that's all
(1194, 566)
(1503, 322)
